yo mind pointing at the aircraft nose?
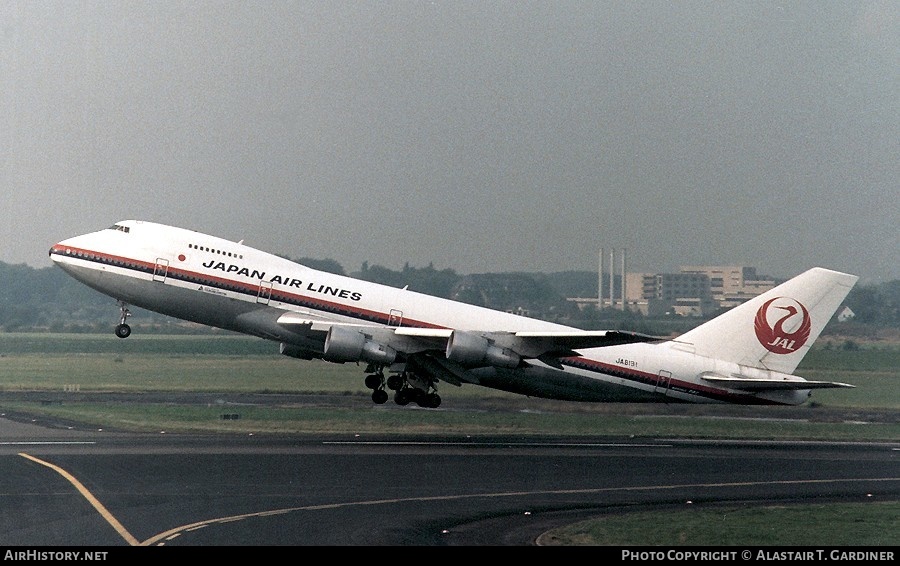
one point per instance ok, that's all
(56, 250)
(61, 249)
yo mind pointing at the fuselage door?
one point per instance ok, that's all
(395, 318)
(662, 383)
(265, 292)
(161, 269)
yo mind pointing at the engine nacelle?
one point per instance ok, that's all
(346, 345)
(474, 350)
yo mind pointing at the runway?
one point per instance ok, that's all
(67, 488)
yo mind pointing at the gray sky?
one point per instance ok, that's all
(480, 136)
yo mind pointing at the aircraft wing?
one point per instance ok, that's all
(563, 344)
(772, 384)
(526, 344)
(531, 344)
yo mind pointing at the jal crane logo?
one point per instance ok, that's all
(791, 327)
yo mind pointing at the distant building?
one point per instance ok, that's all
(657, 294)
(845, 314)
(694, 291)
(731, 286)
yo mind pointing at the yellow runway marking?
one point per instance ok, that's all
(90, 497)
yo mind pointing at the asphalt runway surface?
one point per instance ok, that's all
(66, 487)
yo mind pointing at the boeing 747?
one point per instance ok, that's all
(411, 342)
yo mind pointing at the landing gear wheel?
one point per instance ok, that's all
(432, 400)
(123, 330)
(395, 381)
(379, 396)
(402, 397)
(373, 381)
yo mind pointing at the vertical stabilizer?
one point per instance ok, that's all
(776, 329)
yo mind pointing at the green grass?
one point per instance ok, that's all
(175, 373)
(788, 526)
(365, 417)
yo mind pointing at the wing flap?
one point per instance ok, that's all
(442, 369)
(423, 332)
(295, 320)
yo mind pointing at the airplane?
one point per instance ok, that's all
(410, 342)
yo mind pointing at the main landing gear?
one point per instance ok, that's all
(408, 388)
(123, 330)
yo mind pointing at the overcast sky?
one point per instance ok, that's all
(478, 136)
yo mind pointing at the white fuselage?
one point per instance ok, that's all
(216, 282)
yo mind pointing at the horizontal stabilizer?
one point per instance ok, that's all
(773, 384)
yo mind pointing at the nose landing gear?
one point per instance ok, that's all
(122, 329)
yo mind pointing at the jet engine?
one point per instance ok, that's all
(346, 345)
(473, 350)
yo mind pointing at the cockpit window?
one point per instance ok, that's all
(120, 228)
